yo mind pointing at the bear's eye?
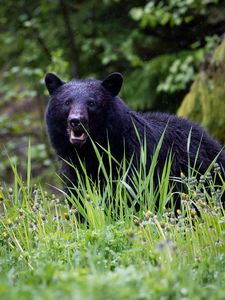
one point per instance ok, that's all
(67, 102)
(91, 103)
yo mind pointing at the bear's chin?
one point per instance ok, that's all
(77, 140)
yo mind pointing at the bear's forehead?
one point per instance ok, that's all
(81, 88)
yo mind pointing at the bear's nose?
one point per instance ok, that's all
(74, 122)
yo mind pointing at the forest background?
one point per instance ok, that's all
(171, 53)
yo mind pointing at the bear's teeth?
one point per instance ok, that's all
(74, 136)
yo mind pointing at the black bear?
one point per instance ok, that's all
(81, 112)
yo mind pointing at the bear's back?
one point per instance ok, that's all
(183, 133)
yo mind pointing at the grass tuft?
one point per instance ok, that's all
(117, 253)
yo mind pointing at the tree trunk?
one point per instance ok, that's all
(71, 39)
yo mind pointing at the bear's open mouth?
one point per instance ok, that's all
(77, 137)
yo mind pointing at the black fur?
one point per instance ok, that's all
(108, 119)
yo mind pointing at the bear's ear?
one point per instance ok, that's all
(113, 83)
(52, 82)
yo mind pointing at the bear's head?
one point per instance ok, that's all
(78, 108)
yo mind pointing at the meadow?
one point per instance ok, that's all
(117, 252)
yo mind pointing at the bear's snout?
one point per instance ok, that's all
(77, 130)
(76, 122)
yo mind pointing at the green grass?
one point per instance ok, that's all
(117, 253)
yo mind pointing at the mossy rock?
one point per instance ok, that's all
(205, 103)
